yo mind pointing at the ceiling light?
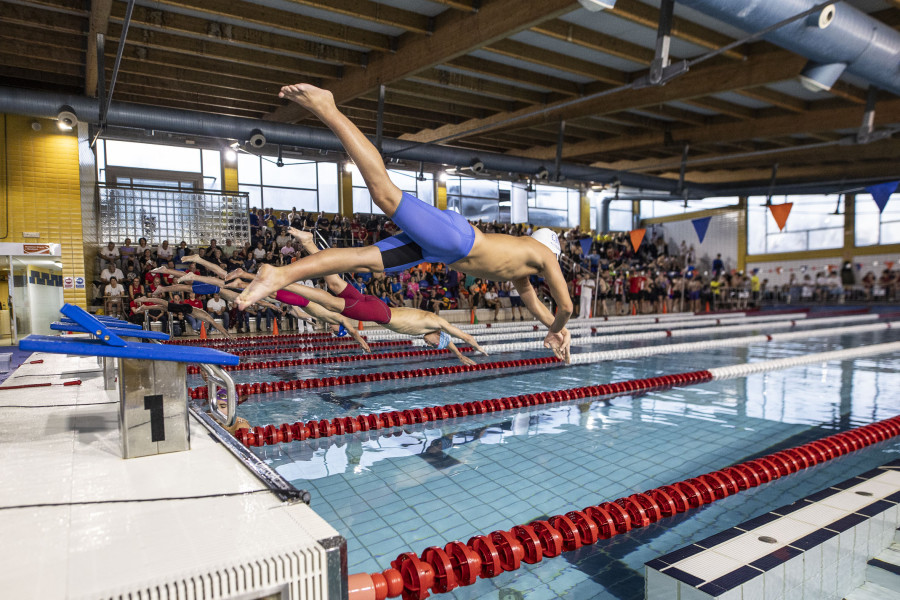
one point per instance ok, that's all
(230, 155)
(66, 118)
(597, 5)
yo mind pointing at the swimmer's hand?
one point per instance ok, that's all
(560, 344)
(480, 349)
(466, 361)
(365, 347)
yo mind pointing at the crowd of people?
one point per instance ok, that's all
(603, 274)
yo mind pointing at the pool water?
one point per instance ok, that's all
(404, 490)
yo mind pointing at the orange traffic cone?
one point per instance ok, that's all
(275, 327)
(633, 310)
(707, 306)
(359, 326)
(472, 316)
(665, 310)
(202, 330)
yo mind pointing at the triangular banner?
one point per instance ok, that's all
(780, 213)
(585, 246)
(700, 226)
(881, 193)
(637, 236)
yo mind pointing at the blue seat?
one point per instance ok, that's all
(109, 343)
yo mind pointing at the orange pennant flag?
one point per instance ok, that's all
(780, 213)
(637, 236)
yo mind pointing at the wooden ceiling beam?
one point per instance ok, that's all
(764, 94)
(478, 85)
(268, 79)
(594, 40)
(642, 14)
(257, 14)
(253, 99)
(246, 37)
(729, 109)
(192, 49)
(153, 93)
(99, 24)
(822, 120)
(43, 20)
(880, 169)
(32, 52)
(450, 95)
(374, 12)
(490, 68)
(29, 67)
(471, 6)
(456, 34)
(435, 105)
(758, 70)
(556, 60)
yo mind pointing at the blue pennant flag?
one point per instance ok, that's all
(585, 246)
(881, 193)
(700, 226)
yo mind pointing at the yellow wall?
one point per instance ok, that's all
(229, 177)
(440, 196)
(345, 192)
(39, 176)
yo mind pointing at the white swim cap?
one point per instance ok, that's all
(548, 238)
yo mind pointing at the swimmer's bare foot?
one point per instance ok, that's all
(190, 258)
(314, 99)
(268, 281)
(167, 271)
(187, 277)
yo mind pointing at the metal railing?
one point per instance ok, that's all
(171, 214)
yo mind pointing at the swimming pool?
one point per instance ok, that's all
(392, 491)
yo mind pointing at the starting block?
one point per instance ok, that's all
(153, 399)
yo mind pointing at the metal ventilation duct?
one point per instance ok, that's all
(837, 38)
(36, 103)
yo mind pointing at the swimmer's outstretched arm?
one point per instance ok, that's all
(195, 258)
(351, 329)
(559, 341)
(460, 334)
(463, 359)
(320, 312)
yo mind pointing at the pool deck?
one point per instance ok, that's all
(82, 522)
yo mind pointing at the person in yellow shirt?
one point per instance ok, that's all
(755, 287)
(715, 287)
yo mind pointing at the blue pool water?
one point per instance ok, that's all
(409, 489)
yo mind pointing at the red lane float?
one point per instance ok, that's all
(326, 360)
(328, 348)
(243, 389)
(273, 434)
(457, 564)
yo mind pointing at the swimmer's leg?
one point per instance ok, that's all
(270, 279)
(334, 282)
(320, 297)
(365, 156)
(199, 313)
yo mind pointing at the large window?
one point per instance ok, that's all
(815, 223)
(874, 228)
(488, 200)
(301, 184)
(651, 209)
(131, 164)
(621, 216)
(420, 185)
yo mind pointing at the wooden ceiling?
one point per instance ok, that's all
(454, 66)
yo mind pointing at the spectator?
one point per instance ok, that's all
(196, 302)
(492, 300)
(218, 308)
(107, 274)
(165, 253)
(110, 254)
(114, 294)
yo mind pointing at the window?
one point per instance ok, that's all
(408, 181)
(874, 228)
(302, 184)
(651, 209)
(812, 225)
(621, 215)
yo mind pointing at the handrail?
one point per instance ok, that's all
(216, 378)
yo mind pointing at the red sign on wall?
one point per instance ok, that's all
(36, 248)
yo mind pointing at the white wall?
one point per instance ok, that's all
(721, 238)
(769, 270)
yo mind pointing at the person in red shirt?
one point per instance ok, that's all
(636, 292)
(196, 302)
